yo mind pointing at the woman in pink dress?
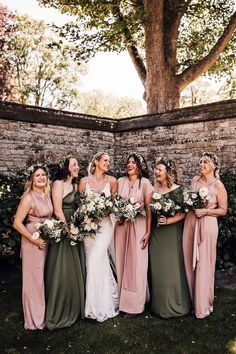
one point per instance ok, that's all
(36, 206)
(131, 238)
(200, 236)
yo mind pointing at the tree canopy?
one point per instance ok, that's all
(43, 67)
(170, 42)
(6, 29)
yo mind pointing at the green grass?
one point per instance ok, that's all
(143, 334)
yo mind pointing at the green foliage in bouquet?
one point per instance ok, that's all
(11, 188)
(226, 246)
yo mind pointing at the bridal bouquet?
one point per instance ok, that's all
(127, 209)
(50, 229)
(162, 205)
(87, 218)
(195, 199)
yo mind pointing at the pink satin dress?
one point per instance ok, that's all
(199, 248)
(33, 261)
(131, 259)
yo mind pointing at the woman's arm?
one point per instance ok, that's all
(57, 197)
(23, 210)
(163, 220)
(114, 186)
(221, 209)
(82, 184)
(145, 239)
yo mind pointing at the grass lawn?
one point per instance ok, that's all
(143, 334)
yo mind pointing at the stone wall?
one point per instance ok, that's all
(180, 134)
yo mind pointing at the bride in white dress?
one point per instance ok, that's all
(101, 288)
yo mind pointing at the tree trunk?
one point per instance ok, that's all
(161, 88)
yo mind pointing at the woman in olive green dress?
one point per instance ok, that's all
(169, 290)
(65, 270)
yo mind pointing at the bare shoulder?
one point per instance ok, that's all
(27, 201)
(219, 185)
(83, 181)
(58, 187)
(112, 179)
(195, 178)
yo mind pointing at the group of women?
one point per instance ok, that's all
(103, 276)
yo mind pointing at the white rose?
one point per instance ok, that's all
(48, 223)
(74, 230)
(157, 206)
(203, 192)
(194, 195)
(156, 196)
(133, 200)
(93, 226)
(87, 227)
(35, 235)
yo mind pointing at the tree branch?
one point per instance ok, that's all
(204, 64)
(132, 49)
(173, 14)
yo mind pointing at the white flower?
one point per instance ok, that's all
(93, 226)
(203, 192)
(156, 196)
(74, 230)
(133, 200)
(35, 235)
(194, 195)
(157, 206)
(48, 223)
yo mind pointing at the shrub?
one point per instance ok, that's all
(11, 188)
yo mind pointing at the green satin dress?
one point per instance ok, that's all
(169, 290)
(65, 277)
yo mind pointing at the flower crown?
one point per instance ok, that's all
(170, 166)
(35, 167)
(137, 155)
(63, 161)
(213, 158)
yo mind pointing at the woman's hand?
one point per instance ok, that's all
(200, 212)
(144, 240)
(40, 243)
(162, 220)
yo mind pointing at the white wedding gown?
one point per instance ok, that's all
(101, 288)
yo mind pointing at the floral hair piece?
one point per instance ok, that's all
(170, 166)
(62, 162)
(97, 156)
(213, 158)
(137, 155)
(35, 167)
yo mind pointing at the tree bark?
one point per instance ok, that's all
(162, 91)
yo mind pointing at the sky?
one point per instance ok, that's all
(110, 72)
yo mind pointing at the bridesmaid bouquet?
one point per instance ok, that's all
(162, 205)
(87, 218)
(127, 209)
(50, 229)
(195, 199)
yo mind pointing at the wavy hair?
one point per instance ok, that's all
(96, 157)
(63, 168)
(29, 183)
(141, 164)
(171, 171)
(210, 156)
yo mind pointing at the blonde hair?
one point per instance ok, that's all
(215, 162)
(171, 171)
(29, 184)
(92, 165)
